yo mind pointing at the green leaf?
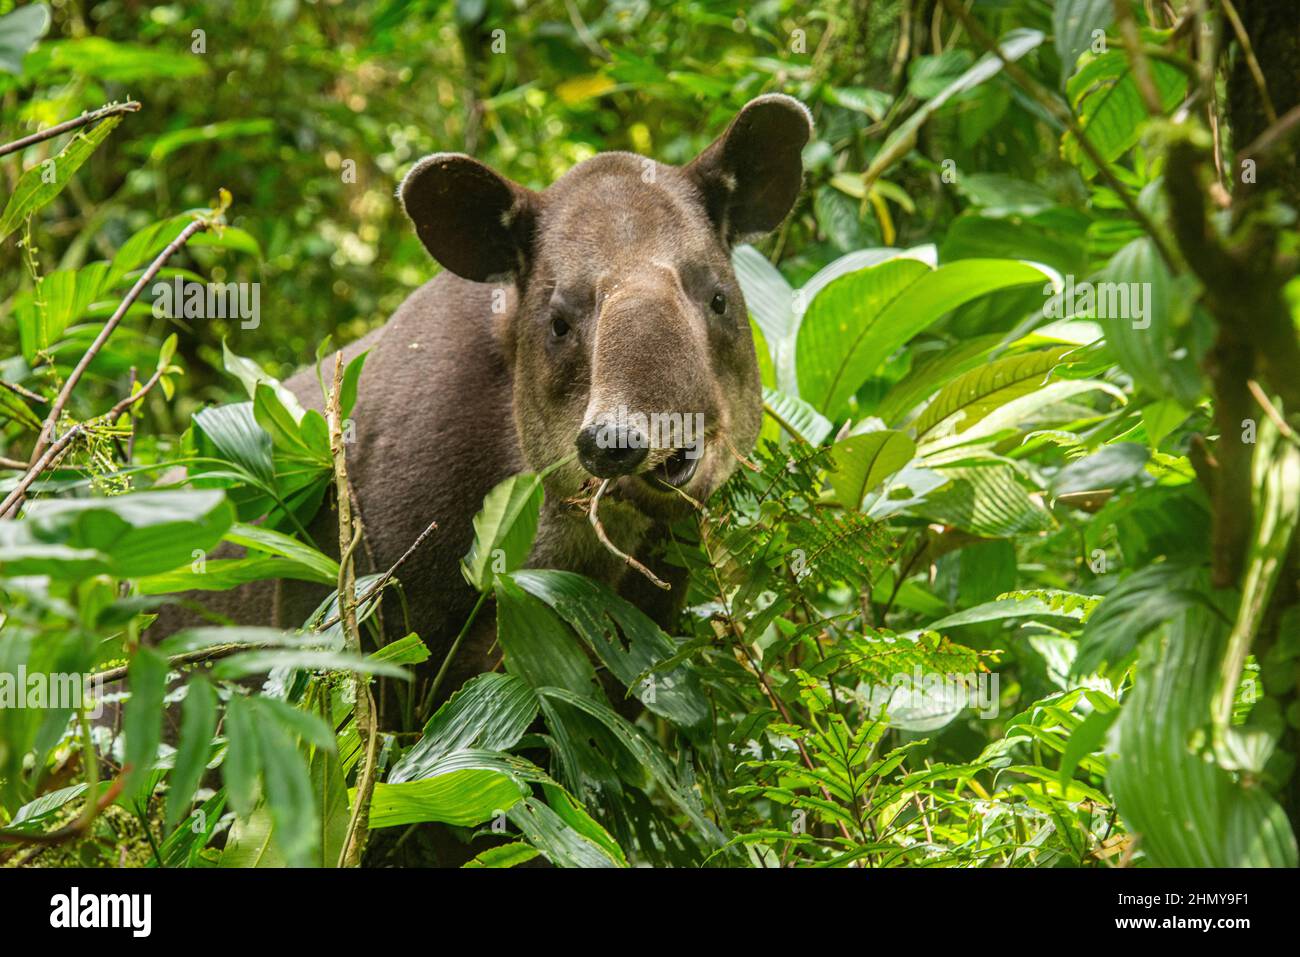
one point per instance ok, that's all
(1084, 740)
(198, 724)
(250, 844)
(491, 713)
(931, 373)
(294, 814)
(769, 297)
(19, 31)
(40, 184)
(859, 320)
(128, 536)
(1110, 108)
(627, 642)
(351, 379)
(1109, 467)
(1140, 603)
(504, 529)
(978, 392)
(1073, 24)
(538, 646)
(1013, 46)
(504, 855)
(240, 766)
(863, 461)
(985, 498)
(33, 812)
(796, 416)
(237, 438)
(142, 719)
(251, 375)
(476, 791)
(562, 845)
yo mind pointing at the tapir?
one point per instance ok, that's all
(564, 326)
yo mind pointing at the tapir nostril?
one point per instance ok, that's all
(608, 451)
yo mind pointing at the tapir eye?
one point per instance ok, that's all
(559, 328)
(719, 303)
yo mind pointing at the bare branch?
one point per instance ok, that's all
(85, 119)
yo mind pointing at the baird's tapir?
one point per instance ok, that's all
(596, 321)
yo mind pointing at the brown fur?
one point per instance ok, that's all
(467, 384)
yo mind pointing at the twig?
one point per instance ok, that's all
(1276, 134)
(1066, 117)
(175, 661)
(74, 830)
(594, 517)
(8, 463)
(25, 393)
(385, 578)
(60, 445)
(1128, 30)
(85, 119)
(47, 430)
(1248, 51)
(354, 842)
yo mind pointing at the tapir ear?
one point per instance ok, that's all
(750, 175)
(474, 221)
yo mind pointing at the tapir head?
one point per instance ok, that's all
(620, 313)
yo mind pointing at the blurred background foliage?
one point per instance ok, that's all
(309, 113)
(1050, 538)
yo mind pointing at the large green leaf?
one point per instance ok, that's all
(1188, 810)
(931, 373)
(198, 724)
(466, 789)
(504, 529)
(142, 718)
(19, 31)
(538, 646)
(1073, 25)
(491, 712)
(978, 392)
(628, 643)
(40, 184)
(863, 461)
(985, 498)
(859, 320)
(1109, 107)
(796, 416)
(128, 536)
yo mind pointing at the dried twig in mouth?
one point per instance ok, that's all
(594, 517)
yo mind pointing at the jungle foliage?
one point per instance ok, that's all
(1029, 355)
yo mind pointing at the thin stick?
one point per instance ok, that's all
(56, 449)
(85, 119)
(387, 576)
(354, 843)
(1128, 29)
(27, 394)
(1249, 52)
(594, 517)
(47, 430)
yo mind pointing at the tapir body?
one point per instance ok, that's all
(560, 317)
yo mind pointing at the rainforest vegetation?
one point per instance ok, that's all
(1010, 579)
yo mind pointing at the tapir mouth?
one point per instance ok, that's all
(676, 470)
